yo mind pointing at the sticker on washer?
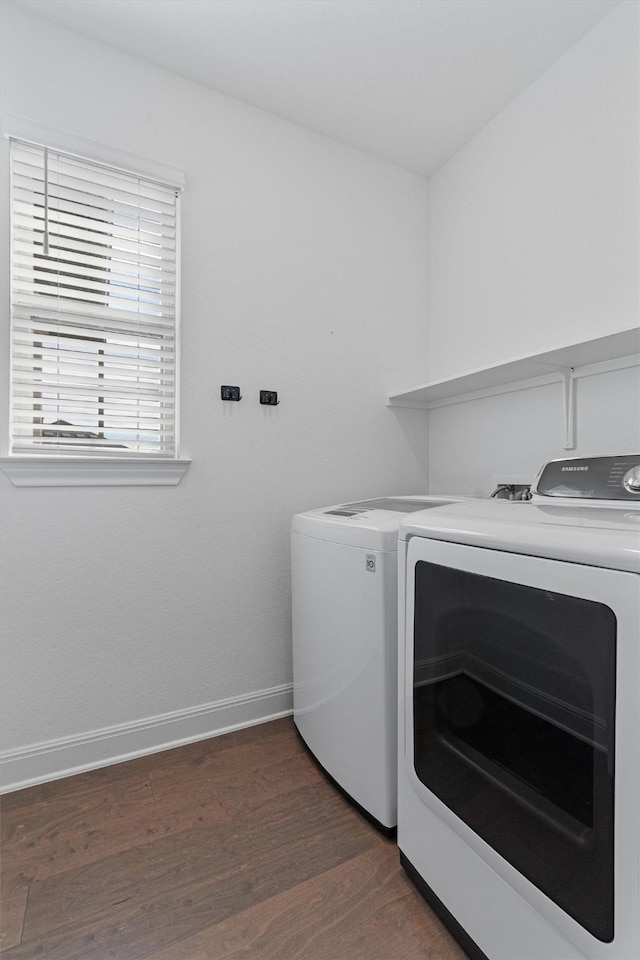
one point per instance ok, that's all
(370, 559)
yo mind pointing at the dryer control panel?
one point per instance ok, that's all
(591, 478)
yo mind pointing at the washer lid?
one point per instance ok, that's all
(599, 536)
(370, 524)
(394, 504)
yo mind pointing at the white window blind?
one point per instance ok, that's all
(94, 321)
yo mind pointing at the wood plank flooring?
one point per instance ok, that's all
(234, 848)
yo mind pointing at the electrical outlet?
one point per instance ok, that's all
(269, 397)
(230, 393)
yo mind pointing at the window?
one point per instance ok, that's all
(94, 293)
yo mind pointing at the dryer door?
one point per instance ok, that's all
(511, 712)
(513, 718)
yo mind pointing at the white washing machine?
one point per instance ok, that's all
(519, 715)
(344, 605)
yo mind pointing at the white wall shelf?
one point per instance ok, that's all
(614, 351)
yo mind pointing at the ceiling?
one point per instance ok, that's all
(410, 81)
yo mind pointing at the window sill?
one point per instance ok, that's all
(107, 472)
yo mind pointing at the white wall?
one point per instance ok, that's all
(303, 272)
(534, 223)
(533, 240)
(515, 433)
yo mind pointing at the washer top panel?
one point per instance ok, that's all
(370, 524)
(394, 504)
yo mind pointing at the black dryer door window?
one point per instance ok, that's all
(513, 710)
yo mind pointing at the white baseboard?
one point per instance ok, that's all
(64, 757)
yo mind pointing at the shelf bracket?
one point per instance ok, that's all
(569, 408)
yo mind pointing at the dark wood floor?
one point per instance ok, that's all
(235, 847)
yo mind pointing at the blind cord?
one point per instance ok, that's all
(45, 239)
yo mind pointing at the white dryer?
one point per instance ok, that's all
(519, 739)
(344, 606)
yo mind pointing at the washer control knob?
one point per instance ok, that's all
(631, 480)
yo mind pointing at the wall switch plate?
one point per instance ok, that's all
(269, 397)
(230, 393)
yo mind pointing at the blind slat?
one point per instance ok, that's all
(102, 290)
(80, 202)
(89, 406)
(96, 420)
(114, 273)
(90, 380)
(86, 176)
(68, 450)
(93, 448)
(99, 378)
(59, 429)
(100, 314)
(25, 242)
(52, 355)
(104, 223)
(103, 239)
